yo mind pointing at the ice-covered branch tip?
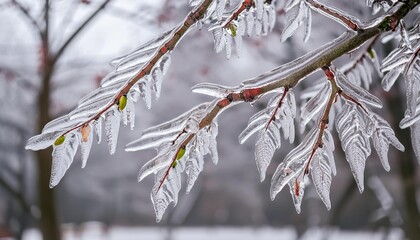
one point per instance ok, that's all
(337, 15)
(136, 74)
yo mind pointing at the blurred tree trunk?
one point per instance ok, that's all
(408, 166)
(49, 225)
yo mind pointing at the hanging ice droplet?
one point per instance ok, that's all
(86, 143)
(112, 127)
(228, 45)
(165, 62)
(145, 92)
(97, 125)
(157, 78)
(249, 23)
(131, 113)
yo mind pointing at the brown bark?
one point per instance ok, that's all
(48, 222)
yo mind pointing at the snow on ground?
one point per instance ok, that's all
(98, 232)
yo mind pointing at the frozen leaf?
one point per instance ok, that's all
(89, 110)
(142, 53)
(295, 18)
(321, 176)
(220, 8)
(63, 157)
(219, 39)
(267, 142)
(157, 78)
(146, 92)
(97, 124)
(315, 104)
(259, 8)
(249, 17)
(214, 90)
(390, 78)
(293, 164)
(404, 34)
(271, 16)
(131, 113)
(86, 143)
(354, 91)
(42, 140)
(354, 141)
(165, 193)
(164, 64)
(265, 23)
(157, 163)
(308, 24)
(228, 45)
(112, 127)
(297, 190)
(382, 136)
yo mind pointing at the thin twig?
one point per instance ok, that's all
(246, 4)
(273, 115)
(28, 16)
(334, 13)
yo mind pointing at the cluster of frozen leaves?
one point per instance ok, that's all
(279, 114)
(174, 157)
(405, 61)
(246, 18)
(101, 107)
(112, 103)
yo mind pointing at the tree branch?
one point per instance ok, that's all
(78, 30)
(25, 12)
(17, 195)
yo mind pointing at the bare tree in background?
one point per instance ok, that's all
(49, 56)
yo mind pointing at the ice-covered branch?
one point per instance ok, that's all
(136, 74)
(349, 21)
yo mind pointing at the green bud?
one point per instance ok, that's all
(174, 164)
(180, 153)
(371, 53)
(232, 28)
(59, 140)
(122, 102)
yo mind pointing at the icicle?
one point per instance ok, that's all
(249, 23)
(97, 124)
(86, 143)
(229, 40)
(145, 92)
(63, 155)
(112, 127)
(157, 78)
